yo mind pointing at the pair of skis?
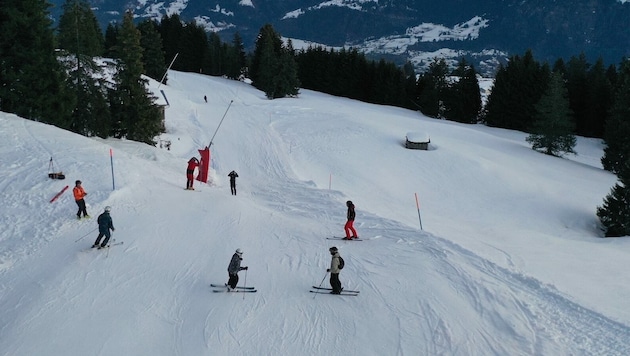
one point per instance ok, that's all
(342, 238)
(322, 290)
(222, 288)
(110, 244)
(238, 289)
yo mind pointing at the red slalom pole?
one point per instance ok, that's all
(418, 206)
(59, 194)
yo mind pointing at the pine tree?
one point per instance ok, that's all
(171, 30)
(617, 133)
(236, 59)
(152, 54)
(432, 86)
(577, 86)
(216, 56)
(286, 82)
(79, 31)
(273, 68)
(615, 212)
(463, 103)
(600, 98)
(111, 39)
(135, 115)
(81, 37)
(553, 130)
(193, 48)
(32, 81)
(517, 88)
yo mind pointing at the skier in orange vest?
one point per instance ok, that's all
(79, 194)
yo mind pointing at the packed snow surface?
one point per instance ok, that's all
(510, 259)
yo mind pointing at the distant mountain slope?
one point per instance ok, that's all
(551, 29)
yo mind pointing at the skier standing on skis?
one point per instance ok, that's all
(334, 271)
(233, 268)
(233, 175)
(105, 223)
(351, 233)
(79, 194)
(190, 172)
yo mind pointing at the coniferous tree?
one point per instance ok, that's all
(432, 88)
(32, 81)
(577, 86)
(286, 82)
(600, 97)
(273, 68)
(193, 48)
(517, 88)
(553, 129)
(614, 214)
(152, 54)
(135, 115)
(81, 37)
(463, 102)
(171, 30)
(111, 40)
(236, 59)
(617, 132)
(264, 60)
(79, 31)
(216, 61)
(410, 85)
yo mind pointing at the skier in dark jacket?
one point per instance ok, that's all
(351, 233)
(334, 271)
(233, 175)
(233, 268)
(105, 223)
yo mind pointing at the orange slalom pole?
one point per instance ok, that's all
(418, 206)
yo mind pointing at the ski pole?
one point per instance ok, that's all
(320, 284)
(82, 237)
(245, 284)
(111, 234)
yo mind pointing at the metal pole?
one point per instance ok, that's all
(320, 284)
(167, 69)
(111, 162)
(220, 122)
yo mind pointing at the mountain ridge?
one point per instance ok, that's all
(558, 30)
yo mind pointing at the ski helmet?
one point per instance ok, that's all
(333, 249)
(108, 208)
(77, 182)
(239, 251)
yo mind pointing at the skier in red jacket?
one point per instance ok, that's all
(190, 172)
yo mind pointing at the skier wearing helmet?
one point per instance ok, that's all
(233, 268)
(351, 233)
(105, 223)
(334, 271)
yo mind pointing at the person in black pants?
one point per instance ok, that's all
(105, 223)
(334, 271)
(233, 268)
(233, 176)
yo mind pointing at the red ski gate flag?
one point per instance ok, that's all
(204, 165)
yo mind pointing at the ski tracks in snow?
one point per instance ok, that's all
(514, 314)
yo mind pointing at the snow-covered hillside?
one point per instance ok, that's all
(510, 260)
